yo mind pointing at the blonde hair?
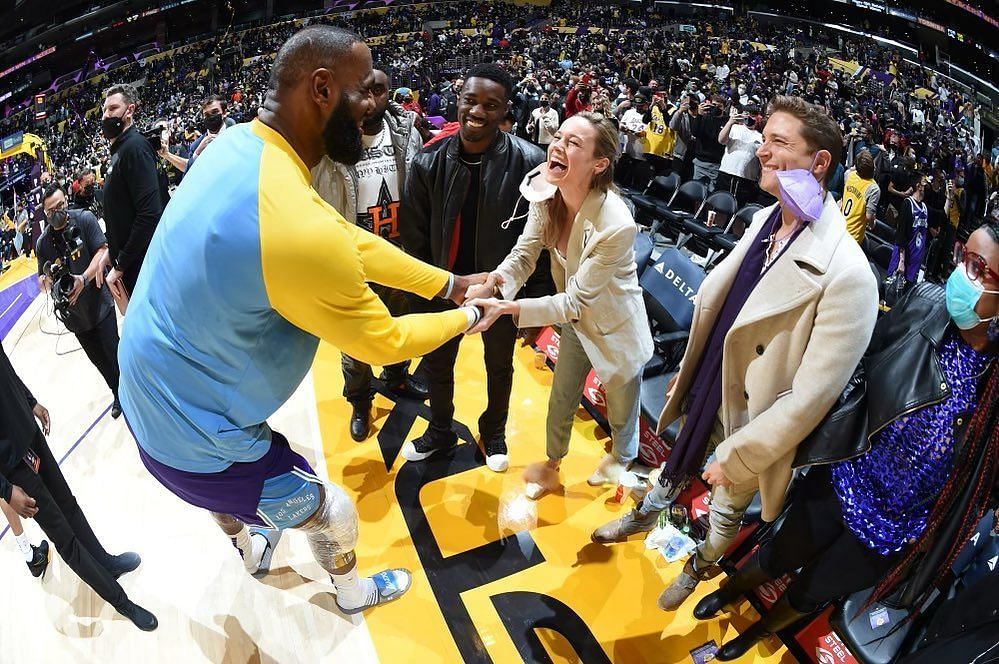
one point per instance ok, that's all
(605, 146)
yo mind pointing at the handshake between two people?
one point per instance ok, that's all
(482, 292)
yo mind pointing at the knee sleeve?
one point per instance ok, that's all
(332, 530)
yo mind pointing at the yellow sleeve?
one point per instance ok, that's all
(388, 265)
(314, 274)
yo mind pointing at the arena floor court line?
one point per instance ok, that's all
(438, 519)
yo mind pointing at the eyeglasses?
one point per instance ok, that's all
(976, 265)
(56, 211)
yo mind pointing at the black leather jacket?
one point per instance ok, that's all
(904, 375)
(903, 372)
(435, 192)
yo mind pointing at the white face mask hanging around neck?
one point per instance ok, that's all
(534, 188)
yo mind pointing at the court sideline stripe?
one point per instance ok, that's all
(70, 451)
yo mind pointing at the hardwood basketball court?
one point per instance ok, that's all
(474, 584)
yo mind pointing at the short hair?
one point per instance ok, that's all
(819, 130)
(307, 50)
(865, 164)
(493, 72)
(127, 91)
(208, 101)
(50, 190)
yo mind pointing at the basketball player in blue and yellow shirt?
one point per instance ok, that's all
(248, 270)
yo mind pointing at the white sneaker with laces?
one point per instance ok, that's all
(608, 472)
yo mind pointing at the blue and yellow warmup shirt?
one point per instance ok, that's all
(248, 269)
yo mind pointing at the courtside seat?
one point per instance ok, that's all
(660, 191)
(643, 252)
(685, 203)
(725, 242)
(711, 220)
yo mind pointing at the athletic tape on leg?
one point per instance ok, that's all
(332, 531)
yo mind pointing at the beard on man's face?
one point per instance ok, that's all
(374, 121)
(342, 137)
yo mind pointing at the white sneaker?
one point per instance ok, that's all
(534, 490)
(539, 479)
(608, 472)
(258, 546)
(498, 463)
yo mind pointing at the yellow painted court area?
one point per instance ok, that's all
(210, 610)
(612, 589)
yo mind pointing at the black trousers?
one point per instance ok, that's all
(356, 374)
(813, 537)
(63, 522)
(129, 278)
(499, 341)
(101, 346)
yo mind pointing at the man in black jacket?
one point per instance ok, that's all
(708, 152)
(88, 311)
(32, 483)
(132, 199)
(461, 211)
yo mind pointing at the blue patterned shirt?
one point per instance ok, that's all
(887, 494)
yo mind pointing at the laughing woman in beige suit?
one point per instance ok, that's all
(577, 216)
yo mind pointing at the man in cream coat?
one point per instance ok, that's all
(779, 338)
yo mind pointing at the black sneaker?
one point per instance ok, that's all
(141, 618)
(40, 561)
(123, 564)
(115, 410)
(424, 446)
(496, 453)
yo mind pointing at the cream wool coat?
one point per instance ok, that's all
(790, 352)
(598, 291)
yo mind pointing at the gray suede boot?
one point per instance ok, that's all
(683, 585)
(631, 523)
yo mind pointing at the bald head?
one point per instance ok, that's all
(318, 94)
(379, 86)
(309, 49)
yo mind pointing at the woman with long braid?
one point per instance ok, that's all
(899, 513)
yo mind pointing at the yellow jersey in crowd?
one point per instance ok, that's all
(856, 193)
(659, 138)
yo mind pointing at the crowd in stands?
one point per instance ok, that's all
(692, 104)
(730, 66)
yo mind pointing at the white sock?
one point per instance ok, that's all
(251, 549)
(353, 591)
(24, 546)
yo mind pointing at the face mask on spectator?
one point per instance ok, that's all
(962, 297)
(214, 122)
(800, 192)
(112, 127)
(58, 219)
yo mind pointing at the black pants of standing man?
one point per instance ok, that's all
(499, 341)
(101, 346)
(63, 522)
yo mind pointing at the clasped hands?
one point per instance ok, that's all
(480, 290)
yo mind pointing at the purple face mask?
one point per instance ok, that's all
(801, 193)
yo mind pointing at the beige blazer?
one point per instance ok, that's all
(790, 352)
(598, 291)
